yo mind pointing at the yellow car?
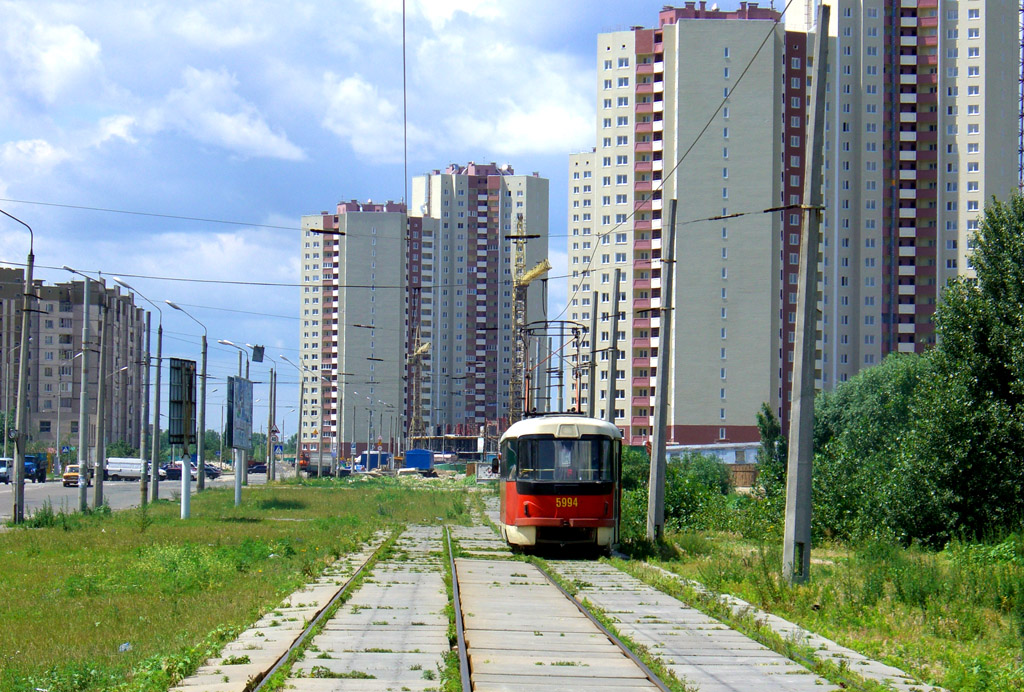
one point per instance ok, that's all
(71, 476)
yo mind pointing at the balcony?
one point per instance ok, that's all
(642, 225)
(644, 147)
(643, 166)
(642, 264)
(642, 245)
(641, 342)
(643, 186)
(642, 323)
(641, 304)
(640, 421)
(645, 108)
(640, 382)
(640, 401)
(641, 362)
(641, 284)
(644, 127)
(645, 68)
(647, 88)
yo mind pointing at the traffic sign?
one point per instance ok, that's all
(65, 449)
(274, 430)
(278, 450)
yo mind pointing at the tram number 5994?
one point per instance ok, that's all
(567, 502)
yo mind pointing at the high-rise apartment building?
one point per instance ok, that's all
(54, 368)
(922, 130)
(353, 333)
(461, 290)
(671, 125)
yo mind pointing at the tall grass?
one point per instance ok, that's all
(132, 601)
(953, 618)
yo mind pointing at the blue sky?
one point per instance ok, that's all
(259, 112)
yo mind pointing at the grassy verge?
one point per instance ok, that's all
(953, 619)
(132, 601)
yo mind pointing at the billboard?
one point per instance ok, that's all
(239, 423)
(181, 416)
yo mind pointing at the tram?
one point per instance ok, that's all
(560, 482)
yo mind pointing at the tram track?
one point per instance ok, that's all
(302, 641)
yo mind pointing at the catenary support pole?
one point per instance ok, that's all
(83, 404)
(201, 432)
(796, 550)
(144, 440)
(656, 483)
(101, 405)
(21, 402)
(237, 454)
(613, 358)
(154, 468)
(592, 365)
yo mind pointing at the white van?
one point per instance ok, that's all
(126, 468)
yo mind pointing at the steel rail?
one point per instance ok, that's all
(300, 641)
(460, 633)
(615, 640)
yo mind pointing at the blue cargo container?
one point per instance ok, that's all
(373, 460)
(422, 459)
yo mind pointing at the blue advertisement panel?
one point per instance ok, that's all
(239, 429)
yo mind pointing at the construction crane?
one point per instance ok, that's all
(521, 279)
(416, 428)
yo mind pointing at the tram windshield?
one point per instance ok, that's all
(544, 458)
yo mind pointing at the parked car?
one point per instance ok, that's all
(70, 477)
(257, 468)
(5, 469)
(212, 471)
(173, 471)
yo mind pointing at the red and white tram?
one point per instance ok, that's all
(560, 482)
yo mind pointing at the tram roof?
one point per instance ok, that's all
(562, 426)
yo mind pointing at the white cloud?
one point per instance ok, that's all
(198, 28)
(48, 60)
(36, 155)
(208, 108)
(357, 111)
(510, 99)
(115, 127)
(438, 13)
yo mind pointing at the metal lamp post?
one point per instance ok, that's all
(154, 471)
(21, 414)
(271, 415)
(201, 433)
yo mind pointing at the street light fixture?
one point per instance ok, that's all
(271, 415)
(154, 469)
(21, 413)
(201, 436)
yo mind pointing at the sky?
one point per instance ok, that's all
(256, 113)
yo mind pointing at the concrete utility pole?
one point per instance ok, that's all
(238, 454)
(101, 403)
(796, 551)
(592, 366)
(144, 440)
(21, 413)
(154, 465)
(270, 430)
(656, 483)
(83, 405)
(613, 358)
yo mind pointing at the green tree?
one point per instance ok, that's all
(971, 418)
(772, 454)
(121, 448)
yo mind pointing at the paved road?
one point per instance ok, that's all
(117, 494)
